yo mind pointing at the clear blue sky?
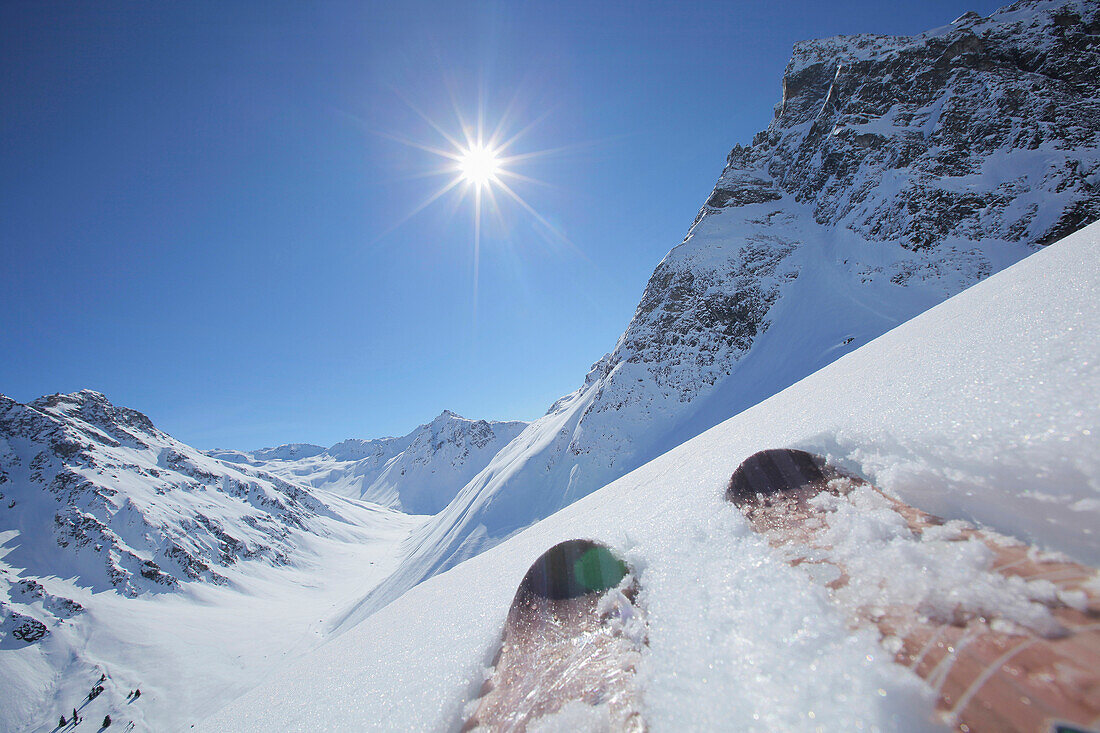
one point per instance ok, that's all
(192, 196)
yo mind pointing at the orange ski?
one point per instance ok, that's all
(990, 670)
(570, 645)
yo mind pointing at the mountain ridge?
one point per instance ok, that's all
(979, 410)
(109, 526)
(419, 472)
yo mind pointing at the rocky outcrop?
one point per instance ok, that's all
(985, 129)
(22, 606)
(965, 147)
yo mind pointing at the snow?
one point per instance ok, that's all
(982, 410)
(973, 410)
(190, 652)
(938, 573)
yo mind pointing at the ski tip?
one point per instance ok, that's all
(573, 568)
(774, 470)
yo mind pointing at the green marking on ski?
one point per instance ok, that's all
(598, 569)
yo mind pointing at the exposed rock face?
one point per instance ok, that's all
(986, 129)
(965, 147)
(98, 493)
(26, 596)
(27, 628)
(897, 171)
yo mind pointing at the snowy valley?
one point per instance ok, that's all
(127, 552)
(899, 273)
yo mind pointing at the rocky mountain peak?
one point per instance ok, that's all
(966, 146)
(98, 493)
(94, 409)
(903, 139)
(417, 473)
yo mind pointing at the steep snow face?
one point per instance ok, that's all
(897, 171)
(126, 552)
(985, 408)
(418, 473)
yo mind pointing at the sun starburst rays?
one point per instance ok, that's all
(476, 164)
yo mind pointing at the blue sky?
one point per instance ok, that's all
(198, 200)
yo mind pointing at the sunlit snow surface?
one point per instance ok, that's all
(985, 408)
(896, 172)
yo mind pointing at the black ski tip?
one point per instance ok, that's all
(571, 569)
(771, 471)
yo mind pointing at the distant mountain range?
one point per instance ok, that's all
(419, 473)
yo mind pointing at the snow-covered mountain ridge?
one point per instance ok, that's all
(109, 526)
(98, 493)
(949, 155)
(897, 171)
(417, 473)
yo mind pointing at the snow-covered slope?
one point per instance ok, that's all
(419, 473)
(124, 551)
(984, 408)
(897, 171)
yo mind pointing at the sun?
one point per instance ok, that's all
(479, 164)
